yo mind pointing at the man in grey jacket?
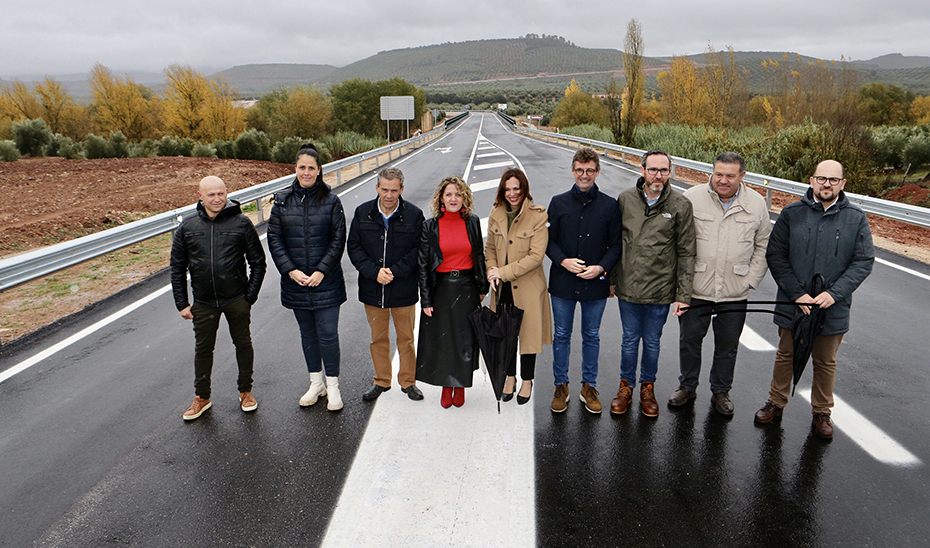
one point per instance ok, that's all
(732, 227)
(824, 234)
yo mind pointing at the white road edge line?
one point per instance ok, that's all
(753, 341)
(866, 434)
(54, 349)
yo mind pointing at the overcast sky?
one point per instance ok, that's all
(56, 37)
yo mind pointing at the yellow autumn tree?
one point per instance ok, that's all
(186, 96)
(920, 110)
(222, 119)
(20, 103)
(572, 88)
(122, 105)
(684, 99)
(727, 91)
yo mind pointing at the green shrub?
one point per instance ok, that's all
(889, 144)
(31, 136)
(253, 145)
(146, 148)
(590, 131)
(97, 147)
(225, 149)
(63, 147)
(8, 151)
(285, 152)
(175, 146)
(348, 143)
(119, 144)
(917, 151)
(202, 150)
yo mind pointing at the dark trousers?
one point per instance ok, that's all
(527, 361)
(728, 323)
(206, 324)
(319, 337)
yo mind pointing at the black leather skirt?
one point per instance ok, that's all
(447, 353)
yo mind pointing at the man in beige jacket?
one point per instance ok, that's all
(732, 227)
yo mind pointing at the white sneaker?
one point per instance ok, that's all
(317, 389)
(334, 398)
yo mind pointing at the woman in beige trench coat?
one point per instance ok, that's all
(516, 245)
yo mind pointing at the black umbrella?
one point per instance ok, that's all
(497, 333)
(805, 330)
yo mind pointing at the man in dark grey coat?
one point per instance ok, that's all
(823, 233)
(383, 245)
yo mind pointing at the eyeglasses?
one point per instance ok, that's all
(821, 180)
(579, 171)
(658, 171)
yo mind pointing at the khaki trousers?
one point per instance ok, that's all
(824, 363)
(379, 319)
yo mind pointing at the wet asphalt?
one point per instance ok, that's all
(93, 451)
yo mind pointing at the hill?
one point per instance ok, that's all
(480, 60)
(256, 80)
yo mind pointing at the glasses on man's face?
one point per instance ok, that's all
(663, 171)
(821, 180)
(579, 171)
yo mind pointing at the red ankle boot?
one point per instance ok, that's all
(458, 397)
(446, 399)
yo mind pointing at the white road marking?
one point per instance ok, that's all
(484, 185)
(753, 341)
(489, 154)
(26, 364)
(428, 476)
(494, 165)
(866, 434)
(903, 269)
(444, 150)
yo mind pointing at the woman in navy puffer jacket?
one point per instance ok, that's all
(307, 237)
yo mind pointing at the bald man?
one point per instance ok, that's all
(214, 246)
(822, 233)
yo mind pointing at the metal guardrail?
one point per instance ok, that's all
(893, 210)
(456, 119)
(33, 264)
(506, 118)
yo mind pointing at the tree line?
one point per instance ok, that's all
(195, 115)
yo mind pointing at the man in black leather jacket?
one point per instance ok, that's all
(214, 247)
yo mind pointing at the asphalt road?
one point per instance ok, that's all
(93, 450)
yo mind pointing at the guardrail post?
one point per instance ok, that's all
(672, 173)
(768, 195)
(338, 177)
(259, 212)
(361, 161)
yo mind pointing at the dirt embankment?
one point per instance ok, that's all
(49, 200)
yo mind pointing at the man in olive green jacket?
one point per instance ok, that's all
(732, 227)
(655, 272)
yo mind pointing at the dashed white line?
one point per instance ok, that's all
(485, 185)
(493, 165)
(866, 434)
(753, 341)
(489, 154)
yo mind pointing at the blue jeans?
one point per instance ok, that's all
(641, 321)
(319, 337)
(563, 316)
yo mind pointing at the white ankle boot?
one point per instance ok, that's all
(317, 389)
(334, 401)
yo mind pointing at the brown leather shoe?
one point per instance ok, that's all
(247, 401)
(822, 426)
(647, 400)
(768, 413)
(619, 404)
(197, 408)
(588, 395)
(560, 399)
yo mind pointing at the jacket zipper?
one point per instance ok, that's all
(384, 261)
(837, 252)
(216, 297)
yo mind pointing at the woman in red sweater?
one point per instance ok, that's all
(452, 285)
